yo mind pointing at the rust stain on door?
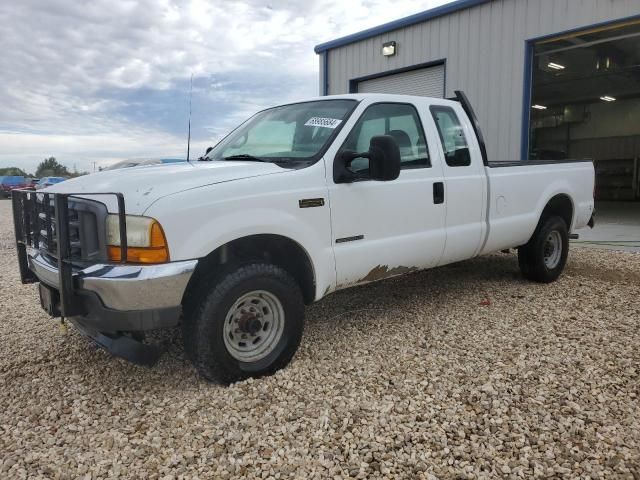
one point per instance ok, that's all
(381, 272)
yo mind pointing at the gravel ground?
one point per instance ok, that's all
(461, 372)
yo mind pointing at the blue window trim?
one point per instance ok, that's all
(401, 23)
(526, 99)
(325, 73)
(528, 74)
(353, 82)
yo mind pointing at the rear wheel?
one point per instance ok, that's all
(543, 258)
(246, 323)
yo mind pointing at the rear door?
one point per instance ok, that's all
(381, 229)
(465, 184)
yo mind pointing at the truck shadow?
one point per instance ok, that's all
(422, 295)
(476, 278)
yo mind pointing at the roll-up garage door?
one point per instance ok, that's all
(425, 82)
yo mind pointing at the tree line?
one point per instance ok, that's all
(49, 167)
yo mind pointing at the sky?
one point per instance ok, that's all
(92, 82)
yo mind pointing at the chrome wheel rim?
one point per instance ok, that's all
(253, 326)
(552, 250)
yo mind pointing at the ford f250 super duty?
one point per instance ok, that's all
(299, 201)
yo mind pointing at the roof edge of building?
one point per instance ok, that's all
(400, 23)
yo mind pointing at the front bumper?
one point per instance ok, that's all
(120, 297)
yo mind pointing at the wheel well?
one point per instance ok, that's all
(274, 249)
(560, 205)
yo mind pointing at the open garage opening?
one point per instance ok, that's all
(585, 103)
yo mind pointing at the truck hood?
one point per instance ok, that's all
(141, 186)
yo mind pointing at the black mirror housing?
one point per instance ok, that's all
(384, 158)
(384, 161)
(341, 164)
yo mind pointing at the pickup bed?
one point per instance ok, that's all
(299, 201)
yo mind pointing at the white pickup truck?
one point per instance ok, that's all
(299, 201)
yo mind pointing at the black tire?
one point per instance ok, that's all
(531, 257)
(203, 326)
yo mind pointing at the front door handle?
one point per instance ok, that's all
(438, 193)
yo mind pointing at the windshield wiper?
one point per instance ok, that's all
(246, 156)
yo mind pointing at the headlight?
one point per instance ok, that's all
(146, 242)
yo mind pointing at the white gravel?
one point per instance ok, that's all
(410, 378)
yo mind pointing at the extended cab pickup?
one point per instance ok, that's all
(299, 201)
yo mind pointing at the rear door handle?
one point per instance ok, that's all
(438, 193)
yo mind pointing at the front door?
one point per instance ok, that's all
(382, 229)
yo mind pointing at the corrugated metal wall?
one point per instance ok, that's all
(484, 47)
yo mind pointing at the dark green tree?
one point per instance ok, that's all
(50, 167)
(9, 171)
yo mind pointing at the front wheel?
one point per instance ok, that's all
(544, 257)
(247, 323)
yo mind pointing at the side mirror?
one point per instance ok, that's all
(384, 162)
(208, 150)
(384, 158)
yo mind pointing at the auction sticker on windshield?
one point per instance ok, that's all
(323, 122)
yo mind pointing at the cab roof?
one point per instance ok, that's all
(387, 97)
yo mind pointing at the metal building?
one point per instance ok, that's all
(548, 78)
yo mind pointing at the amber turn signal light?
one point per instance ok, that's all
(146, 242)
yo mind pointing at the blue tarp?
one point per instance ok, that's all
(12, 180)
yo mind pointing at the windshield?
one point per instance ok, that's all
(296, 132)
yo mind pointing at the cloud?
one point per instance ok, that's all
(105, 80)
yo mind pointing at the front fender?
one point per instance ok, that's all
(198, 222)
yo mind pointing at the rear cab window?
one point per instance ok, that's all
(451, 133)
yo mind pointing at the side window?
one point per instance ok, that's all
(399, 120)
(454, 143)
